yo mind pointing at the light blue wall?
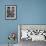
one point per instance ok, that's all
(28, 12)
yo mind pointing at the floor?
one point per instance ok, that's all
(30, 43)
(7, 45)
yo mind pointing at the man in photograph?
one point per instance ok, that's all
(12, 12)
(8, 12)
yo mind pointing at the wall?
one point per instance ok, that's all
(28, 12)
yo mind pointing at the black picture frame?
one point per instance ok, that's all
(10, 12)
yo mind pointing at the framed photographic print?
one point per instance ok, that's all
(10, 12)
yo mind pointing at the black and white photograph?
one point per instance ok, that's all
(10, 12)
(29, 35)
